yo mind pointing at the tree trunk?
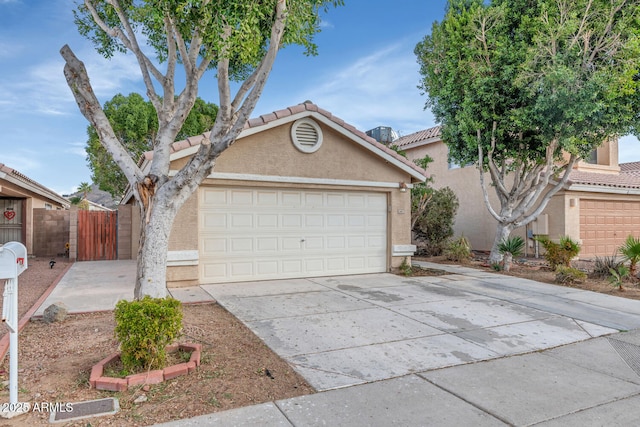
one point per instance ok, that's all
(502, 233)
(152, 254)
(506, 262)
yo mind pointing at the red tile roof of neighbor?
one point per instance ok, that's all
(290, 111)
(629, 177)
(422, 135)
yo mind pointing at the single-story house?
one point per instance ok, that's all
(19, 195)
(599, 206)
(300, 193)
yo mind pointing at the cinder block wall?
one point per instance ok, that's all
(50, 232)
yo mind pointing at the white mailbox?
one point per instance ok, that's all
(13, 260)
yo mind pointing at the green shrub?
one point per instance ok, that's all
(509, 248)
(144, 328)
(559, 253)
(405, 267)
(434, 227)
(603, 265)
(567, 275)
(458, 250)
(617, 276)
(631, 252)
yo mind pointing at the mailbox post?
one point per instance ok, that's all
(13, 261)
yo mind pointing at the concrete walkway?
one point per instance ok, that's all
(466, 348)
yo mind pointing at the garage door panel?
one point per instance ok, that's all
(267, 220)
(604, 225)
(241, 246)
(242, 197)
(267, 267)
(273, 234)
(314, 243)
(292, 221)
(314, 221)
(357, 221)
(267, 199)
(336, 200)
(336, 220)
(213, 220)
(267, 244)
(314, 266)
(213, 246)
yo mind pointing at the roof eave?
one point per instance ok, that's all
(35, 189)
(345, 131)
(589, 188)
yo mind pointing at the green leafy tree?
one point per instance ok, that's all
(239, 39)
(524, 88)
(434, 227)
(135, 124)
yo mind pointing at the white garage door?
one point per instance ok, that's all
(259, 234)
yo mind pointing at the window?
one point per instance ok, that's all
(48, 206)
(593, 157)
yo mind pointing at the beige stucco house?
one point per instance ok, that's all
(300, 193)
(19, 195)
(599, 206)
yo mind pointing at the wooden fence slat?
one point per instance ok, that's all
(97, 235)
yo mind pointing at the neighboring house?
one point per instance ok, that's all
(300, 193)
(99, 198)
(19, 195)
(92, 206)
(599, 206)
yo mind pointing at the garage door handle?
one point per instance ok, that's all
(302, 240)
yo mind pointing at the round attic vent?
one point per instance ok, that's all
(306, 135)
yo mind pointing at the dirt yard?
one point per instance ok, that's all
(56, 359)
(536, 269)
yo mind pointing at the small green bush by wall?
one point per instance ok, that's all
(144, 328)
(559, 253)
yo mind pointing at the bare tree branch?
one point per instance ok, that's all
(485, 193)
(78, 80)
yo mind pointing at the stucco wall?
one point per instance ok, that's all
(473, 220)
(271, 153)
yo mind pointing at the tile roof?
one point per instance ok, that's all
(307, 106)
(422, 135)
(629, 177)
(24, 181)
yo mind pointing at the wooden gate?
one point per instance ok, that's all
(97, 235)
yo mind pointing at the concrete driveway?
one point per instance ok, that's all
(344, 331)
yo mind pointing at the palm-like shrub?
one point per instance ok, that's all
(630, 250)
(509, 248)
(559, 253)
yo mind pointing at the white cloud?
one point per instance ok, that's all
(43, 89)
(379, 89)
(76, 148)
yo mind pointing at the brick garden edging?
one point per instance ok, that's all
(99, 382)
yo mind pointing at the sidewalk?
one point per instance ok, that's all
(468, 348)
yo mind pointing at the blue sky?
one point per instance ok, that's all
(365, 73)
